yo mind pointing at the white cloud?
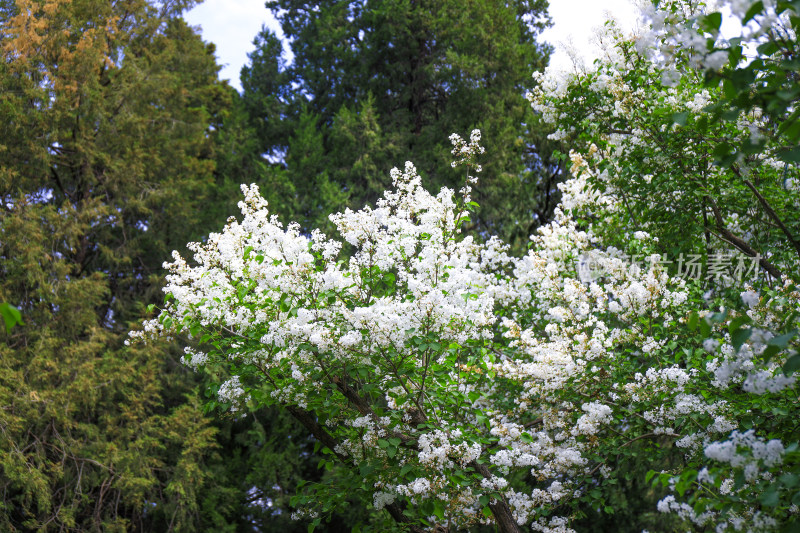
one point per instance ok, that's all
(232, 25)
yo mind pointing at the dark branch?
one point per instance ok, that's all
(726, 235)
(773, 215)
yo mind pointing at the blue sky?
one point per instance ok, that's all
(232, 25)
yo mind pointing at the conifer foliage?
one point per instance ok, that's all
(371, 82)
(106, 155)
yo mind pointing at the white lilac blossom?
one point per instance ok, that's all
(745, 451)
(710, 345)
(676, 29)
(232, 392)
(429, 352)
(750, 298)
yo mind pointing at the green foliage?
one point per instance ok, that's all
(372, 83)
(107, 150)
(657, 148)
(11, 316)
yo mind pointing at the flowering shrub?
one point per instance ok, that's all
(463, 386)
(756, 66)
(655, 156)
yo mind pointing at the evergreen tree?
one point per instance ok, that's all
(108, 113)
(397, 78)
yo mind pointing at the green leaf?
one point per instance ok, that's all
(735, 54)
(790, 155)
(788, 95)
(738, 322)
(770, 497)
(739, 337)
(768, 48)
(711, 22)
(792, 365)
(781, 341)
(680, 118)
(754, 10)
(738, 480)
(791, 119)
(730, 93)
(438, 509)
(792, 131)
(705, 328)
(11, 315)
(692, 321)
(769, 352)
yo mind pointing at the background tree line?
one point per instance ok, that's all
(118, 144)
(625, 397)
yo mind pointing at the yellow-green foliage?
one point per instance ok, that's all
(106, 156)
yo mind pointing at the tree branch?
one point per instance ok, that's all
(321, 434)
(726, 235)
(772, 214)
(500, 509)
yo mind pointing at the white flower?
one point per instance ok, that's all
(750, 298)
(710, 345)
(716, 60)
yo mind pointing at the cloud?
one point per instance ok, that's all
(232, 25)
